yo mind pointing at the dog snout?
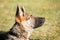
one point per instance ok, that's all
(42, 19)
(39, 21)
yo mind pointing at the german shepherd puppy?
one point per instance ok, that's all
(23, 27)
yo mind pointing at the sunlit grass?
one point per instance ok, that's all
(50, 9)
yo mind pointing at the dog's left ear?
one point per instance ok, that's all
(20, 12)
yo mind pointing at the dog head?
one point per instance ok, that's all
(28, 21)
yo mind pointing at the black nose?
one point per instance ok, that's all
(39, 21)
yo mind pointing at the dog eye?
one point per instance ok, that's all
(30, 15)
(27, 18)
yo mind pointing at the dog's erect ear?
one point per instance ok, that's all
(20, 12)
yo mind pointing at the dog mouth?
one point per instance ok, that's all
(39, 21)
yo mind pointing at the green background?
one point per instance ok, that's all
(50, 9)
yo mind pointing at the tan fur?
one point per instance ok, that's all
(23, 27)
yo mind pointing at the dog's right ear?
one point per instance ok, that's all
(20, 12)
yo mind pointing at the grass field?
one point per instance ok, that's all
(50, 9)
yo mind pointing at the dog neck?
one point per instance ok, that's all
(18, 31)
(28, 27)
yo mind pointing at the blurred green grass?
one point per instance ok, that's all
(50, 9)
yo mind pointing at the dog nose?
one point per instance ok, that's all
(42, 20)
